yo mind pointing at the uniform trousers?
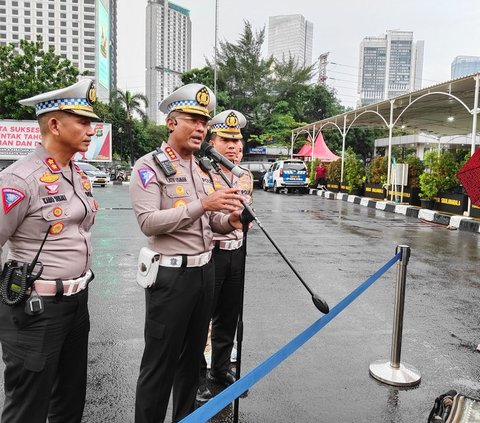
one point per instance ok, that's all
(45, 360)
(225, 309)
(178, 309)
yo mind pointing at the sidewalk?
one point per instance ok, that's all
(462, 223)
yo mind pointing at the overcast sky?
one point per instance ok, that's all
(448, 28)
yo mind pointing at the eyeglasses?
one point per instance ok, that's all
(195, 121)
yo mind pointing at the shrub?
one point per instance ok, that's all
(354, 169)
(376, 172)
(334, 170)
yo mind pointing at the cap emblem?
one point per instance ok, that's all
(92, 95)
(232, 120)
(203, 97)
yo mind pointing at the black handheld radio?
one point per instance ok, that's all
(17, 278)
(164, 163)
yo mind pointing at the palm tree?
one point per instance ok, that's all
(131, 104)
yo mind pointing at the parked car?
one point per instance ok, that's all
(258, 169)
(97, 177)
(289, 175)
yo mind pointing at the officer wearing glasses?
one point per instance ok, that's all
(177, 208)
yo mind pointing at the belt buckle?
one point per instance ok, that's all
(175, 261)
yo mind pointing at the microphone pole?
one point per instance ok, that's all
(249, 215)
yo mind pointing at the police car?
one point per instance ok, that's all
(289, 175)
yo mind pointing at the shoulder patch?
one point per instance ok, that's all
(10, 198)
(52, 165)
(146, 175)
(170, 153)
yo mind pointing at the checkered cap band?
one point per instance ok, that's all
(181, 103)
(223, 126)
(46, 106)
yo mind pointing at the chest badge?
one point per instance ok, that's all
(49, 178)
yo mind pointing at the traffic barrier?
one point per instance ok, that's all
(220, 401)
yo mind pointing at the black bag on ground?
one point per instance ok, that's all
(452, 407)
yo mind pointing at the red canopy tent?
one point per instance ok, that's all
(320, 151)
(306, 149)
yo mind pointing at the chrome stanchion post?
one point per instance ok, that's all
(393, 372)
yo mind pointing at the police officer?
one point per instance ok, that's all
(175, 205)
(45, 196)
(227, 139)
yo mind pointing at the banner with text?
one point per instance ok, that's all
(19, 138)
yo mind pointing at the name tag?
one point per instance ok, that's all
(54, 199)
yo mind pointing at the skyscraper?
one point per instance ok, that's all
(390, 65)
(168, 51)
(465, 65)
(79, 30)
(290, 35)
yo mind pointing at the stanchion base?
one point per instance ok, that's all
(405, 375)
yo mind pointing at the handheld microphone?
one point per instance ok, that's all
(213, 154)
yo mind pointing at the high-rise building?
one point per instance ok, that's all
(79, 30)
(168, 52)
(290, 36)
(390, 65)
(465, 65)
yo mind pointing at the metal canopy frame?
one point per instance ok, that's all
(449, 108)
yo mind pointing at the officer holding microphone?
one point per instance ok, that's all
(177, 208)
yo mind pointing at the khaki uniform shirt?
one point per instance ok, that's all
(37, 193)
(169, 209)
(245, 183)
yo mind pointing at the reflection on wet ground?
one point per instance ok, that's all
(335, 246)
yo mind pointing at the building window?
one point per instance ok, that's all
(39, 13)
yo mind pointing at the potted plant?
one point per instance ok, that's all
(334, 172)
(438, 181)
(354, 173)
(376, 177)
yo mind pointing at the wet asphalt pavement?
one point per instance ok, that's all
(335, 246)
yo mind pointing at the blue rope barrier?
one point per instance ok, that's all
(220, 401)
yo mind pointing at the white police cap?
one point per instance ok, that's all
(191, 98)
(77, 98)
(227, 124)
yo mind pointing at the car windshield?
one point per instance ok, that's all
(256, 166)
(86, 166)
(294, 166)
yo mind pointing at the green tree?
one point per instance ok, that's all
(28, 71)
(245, 77)
(203, 76)
(130, 104)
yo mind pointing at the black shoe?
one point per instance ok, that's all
(203, 394)
(224, 379)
